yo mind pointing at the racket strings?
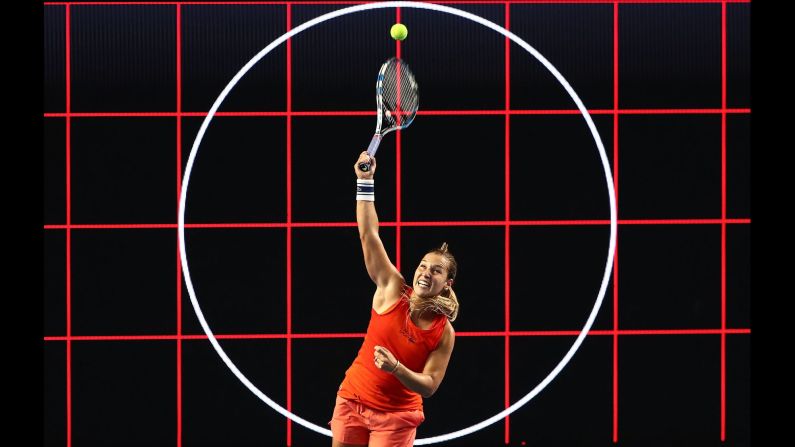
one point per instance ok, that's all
(398, 95)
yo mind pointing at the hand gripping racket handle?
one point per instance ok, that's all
(371, 151)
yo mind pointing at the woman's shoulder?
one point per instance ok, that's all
(448, 327)
(448, 334)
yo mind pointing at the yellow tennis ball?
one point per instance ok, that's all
(399, 31)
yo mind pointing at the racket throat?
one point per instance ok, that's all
(373, 147)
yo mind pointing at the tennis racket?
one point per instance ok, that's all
(396, 101)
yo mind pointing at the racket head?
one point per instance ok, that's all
(397, 96)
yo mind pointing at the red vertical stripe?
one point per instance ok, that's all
(615, 188)
(179, 350)
(68, 179)
(507, 223)
(397, 42)
(723, 229)
(289, 336)
(289, 116)
(398, 158)
(179, 265)
(179, 110)
(68, 340)
(289, 227)
(398, 226)
(68, 223)
(68, 393)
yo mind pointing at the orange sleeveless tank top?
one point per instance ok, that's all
(394, 330)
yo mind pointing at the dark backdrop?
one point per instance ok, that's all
(502, 167)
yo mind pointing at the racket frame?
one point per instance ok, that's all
(379, 134)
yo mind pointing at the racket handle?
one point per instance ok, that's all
(371, 151)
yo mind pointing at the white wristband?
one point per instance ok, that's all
(365, 190)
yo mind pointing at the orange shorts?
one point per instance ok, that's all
(353, 423)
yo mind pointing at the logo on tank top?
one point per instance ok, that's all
(405, 330)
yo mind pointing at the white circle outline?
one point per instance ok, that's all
(445, 9)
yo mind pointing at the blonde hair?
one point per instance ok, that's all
(446, 303)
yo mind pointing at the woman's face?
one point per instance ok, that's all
(430, 278)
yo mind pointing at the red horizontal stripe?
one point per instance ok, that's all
(473, 223)
(343, 2)
(361, 335)
(421, 112)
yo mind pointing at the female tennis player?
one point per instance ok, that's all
(408, 343)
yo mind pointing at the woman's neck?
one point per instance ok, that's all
(420, 312)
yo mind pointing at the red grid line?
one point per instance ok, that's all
(547, 333)
(343, 2)
(179, 193)
(615, 112)
(329, 113)
(398, 164)
(68, 31)
(289, 422)
(507, 269)
(615, 189)
(477, 223)
(723, 230)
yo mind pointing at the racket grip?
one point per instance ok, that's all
(371, 151)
